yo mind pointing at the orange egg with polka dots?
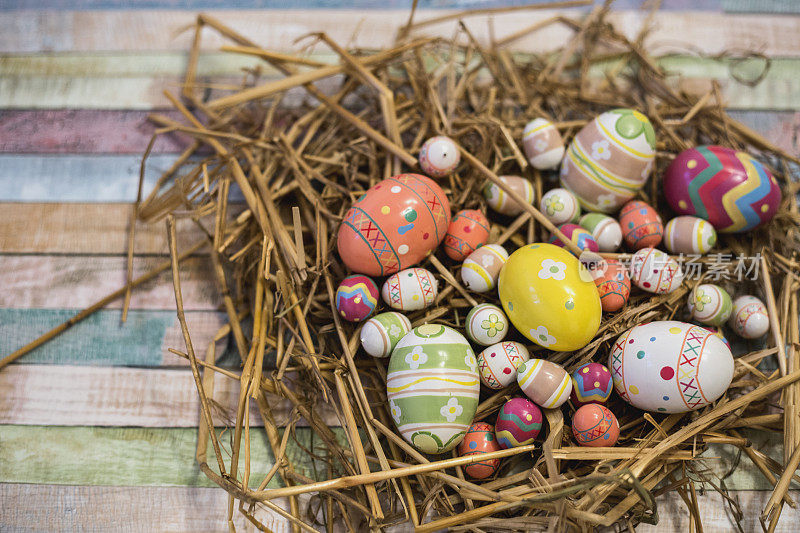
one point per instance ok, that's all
(480, 439)
(468, 231)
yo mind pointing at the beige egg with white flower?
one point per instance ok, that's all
(480, 269)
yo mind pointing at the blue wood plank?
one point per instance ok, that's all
(761, 6)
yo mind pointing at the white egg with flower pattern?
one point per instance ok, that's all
(486, 324)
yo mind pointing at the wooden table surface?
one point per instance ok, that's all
(98, 428)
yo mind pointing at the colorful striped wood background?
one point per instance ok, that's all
(98, 428)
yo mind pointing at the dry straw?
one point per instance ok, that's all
(298, 169)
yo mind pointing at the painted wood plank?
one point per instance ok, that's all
(780, 127)
(82, 228)
(62, 508)
(75, 282)
(761, 6)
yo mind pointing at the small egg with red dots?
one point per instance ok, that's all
(613, 284)
(519, 422)
(468, 231)
(641, 225)
(560, 206)
(479, 440)
(498, 364)
(439, 156)
(749, 318)
(654, 271)
(595, 425)
(411, 289)
(577, 235)
(486, 324)
(356, 297)
(591, 383)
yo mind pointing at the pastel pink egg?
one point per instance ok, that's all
(480, 439)
(641, 225)
(613, 284)
(356, 297)
(468, 231)
(439, 156)
(519, 422)
(576, 234)
(591, 383)
(595, 425)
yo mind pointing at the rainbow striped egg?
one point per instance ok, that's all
(356, 297)
(582, 238)
(519, 422)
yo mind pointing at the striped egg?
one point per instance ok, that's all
(410, 290)
(356, 297)
(689, 235)
(543, 144)
(710, 304)
(519, 422)
(498, 363)
(381, 333)
(432, 385)
(486, 324)
(576, 234)
(468, 231)
(480, 440)
(654, 271)
(613, 284)
(591, 383)
(749, 318)
(641, 225)
(439, 156)
(480, 270)
(546, 383)
(560, 206)
(501, 202)
(605, 230)
(609, 160)
(595, 425)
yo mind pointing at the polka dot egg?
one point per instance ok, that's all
(641, 225)
(710, 304)
(498, 363)
(749, 318)
(613, 284)
(501, 202)
(576, 234)
(381, 333)
(591, 383)
(595, 425)
(356, 297)
(468, 231)
(519, 422)
(689, 235)
(439, 156)
(481, 268)
(410, 290)
(479, 440)
(486, 324)
(560, 206)
(605, 230)
(654, 271)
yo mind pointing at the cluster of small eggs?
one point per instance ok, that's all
(545, 292)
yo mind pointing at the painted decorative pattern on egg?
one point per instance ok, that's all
(501, 202)
(543, 144)
(730, 189)
(591, 383)
(394, 225)
(613, 285)
(432, 385)
(356, 297)
(468, 231)
(641, 225)
(519, 422)
(605, 230)
(546, 383)
(381, 333)
(689, 235)
(439, 156)
(486, 324)
(498, 363)
(749, 318)
(595, 425)
(560, 206)
(480, 269)
(577, 235)
(480, 440)
(609, 160)
(710, 304)
(718, 332)
(410, 290)
(670, 366)
(654, 271)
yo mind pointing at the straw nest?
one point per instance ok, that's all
(300, 155)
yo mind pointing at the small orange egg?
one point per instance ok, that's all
(641, 225)
(595, 425)
(613, 284)
(480, 439)
(468, 231)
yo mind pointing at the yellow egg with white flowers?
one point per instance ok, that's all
(550, 297)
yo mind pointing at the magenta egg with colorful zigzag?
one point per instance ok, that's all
(356, 297)
(582, 238)
(591, 383)
(519, 422)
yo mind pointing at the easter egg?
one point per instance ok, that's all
(718, 332)
(670, 366)
(468, 231)
(654, 271)
(410, 290)
(381, 333)
(486, 324)
(689, 235)
(595, 425)
(439, 156)
(550, 297)
(432, 385)
(576, 234)
(501, 202)
(609, 160)
(546, 383)
(480, 269)
(498, 363)
(613, 285)
(480, 440)
(519, 422)
(749, 318)
(542, 143)
(605, 230)
(356, 297)
(394, 225)
(730, 189)
(710, 304)
(641, 225)
(560, 206)
(591, 383)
